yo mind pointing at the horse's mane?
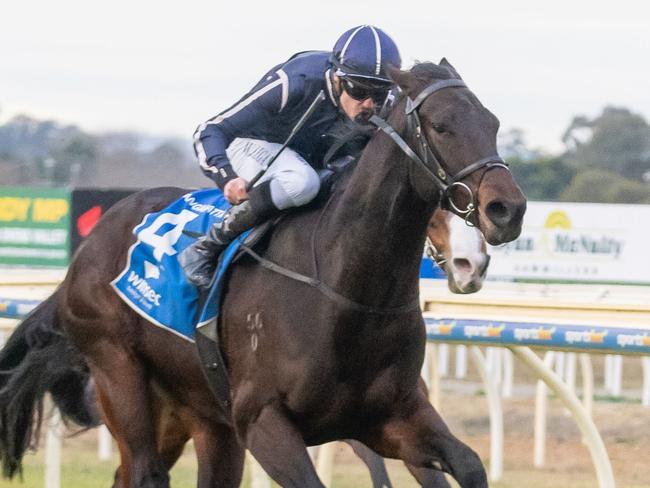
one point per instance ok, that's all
(353, 136)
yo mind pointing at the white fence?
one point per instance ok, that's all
(576, 319)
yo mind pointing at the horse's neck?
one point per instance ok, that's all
(373, 236)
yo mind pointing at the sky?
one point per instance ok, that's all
(163, 67)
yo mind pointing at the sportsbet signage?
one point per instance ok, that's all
(34, 226)
(578, 242)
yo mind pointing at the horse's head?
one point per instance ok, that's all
(454, 138)
(459, 250)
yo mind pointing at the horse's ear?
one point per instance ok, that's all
(402, 78)
(447, 64)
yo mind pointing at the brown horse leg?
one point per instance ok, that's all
(220, 456)
(278, 446)
(419, 437)
(374, 462)
(429, 478)
(170, 449)
(172, 437)
(123, 394)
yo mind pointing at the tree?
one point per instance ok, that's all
(512, 144)
(605, 187)
(542, 178)
(617, 140)
(74, 158)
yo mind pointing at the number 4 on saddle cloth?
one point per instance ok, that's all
(153, 283)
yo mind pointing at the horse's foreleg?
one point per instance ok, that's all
(417, 435)
(125, 400)
(220, 456)
(374, 462)
(429, 478)
(278, 446)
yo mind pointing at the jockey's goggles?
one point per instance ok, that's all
(362, 91)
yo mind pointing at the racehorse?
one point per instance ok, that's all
(48, 356)
(335, 361)
(75, 395)
(459, 250)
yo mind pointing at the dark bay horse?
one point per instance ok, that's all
(319, 368)
(49, 360)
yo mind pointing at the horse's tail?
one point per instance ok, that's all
(38, 358)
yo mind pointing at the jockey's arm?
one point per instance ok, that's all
(253, 112)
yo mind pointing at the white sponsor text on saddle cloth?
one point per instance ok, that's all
(153, 283)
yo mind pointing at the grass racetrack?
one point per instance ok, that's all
(625, 427)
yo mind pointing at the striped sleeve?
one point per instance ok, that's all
(268, 98)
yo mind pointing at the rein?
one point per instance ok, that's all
(322, 287)
(427, 159)
(432, 167)
(328, 291)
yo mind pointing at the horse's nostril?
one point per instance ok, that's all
(498, 213)
(462, 264)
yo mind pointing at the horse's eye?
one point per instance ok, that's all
(439, 128)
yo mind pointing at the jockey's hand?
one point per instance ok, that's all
(235, 191)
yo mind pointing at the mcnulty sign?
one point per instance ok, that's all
(34, 226)
(579, 242)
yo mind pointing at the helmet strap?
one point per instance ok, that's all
(336, 91)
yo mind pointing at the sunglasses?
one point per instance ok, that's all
(361, 92)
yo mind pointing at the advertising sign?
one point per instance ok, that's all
(578, 242)
(88, 206)
(34, 226)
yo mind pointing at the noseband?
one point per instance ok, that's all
(427, 160)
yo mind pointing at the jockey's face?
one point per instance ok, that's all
(360, 108)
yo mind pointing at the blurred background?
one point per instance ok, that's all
(99, 99)
(109, 95)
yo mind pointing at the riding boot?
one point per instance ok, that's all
(199, 261)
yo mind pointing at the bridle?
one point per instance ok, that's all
(424, 157)
(436, 256)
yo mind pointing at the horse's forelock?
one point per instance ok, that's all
(422, 74)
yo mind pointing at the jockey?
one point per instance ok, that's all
(235, 145)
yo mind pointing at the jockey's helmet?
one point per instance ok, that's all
(364, 52)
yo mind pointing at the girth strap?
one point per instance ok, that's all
(329, 292)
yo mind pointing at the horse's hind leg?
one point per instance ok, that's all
(125, 400)
(427, 478)
(374, 462)
(278, 446)
(220, 456)
(417, 435)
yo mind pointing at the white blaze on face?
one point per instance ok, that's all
(467, 257)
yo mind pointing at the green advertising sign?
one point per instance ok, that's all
(34, 226)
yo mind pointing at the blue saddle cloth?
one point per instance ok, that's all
(153, 283)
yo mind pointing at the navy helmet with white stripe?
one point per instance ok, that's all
(365, 52)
